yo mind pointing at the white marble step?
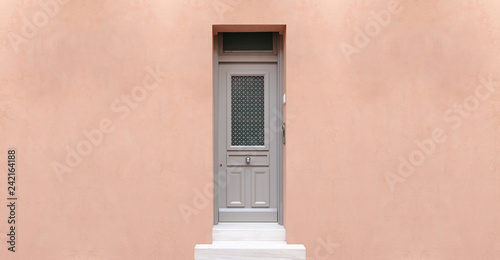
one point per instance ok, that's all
(249, 241)
(248, 232)
(267, 250)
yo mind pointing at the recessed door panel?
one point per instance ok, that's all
(247, 159)
(235, 187)
(260, 187)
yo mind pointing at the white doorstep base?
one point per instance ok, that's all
(249, 241)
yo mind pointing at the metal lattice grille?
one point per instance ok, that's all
(247, 110)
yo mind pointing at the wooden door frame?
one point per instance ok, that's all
(255, 58)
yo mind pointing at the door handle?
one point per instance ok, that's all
(248, 159)
(283, 127)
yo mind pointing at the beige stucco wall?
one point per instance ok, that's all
(139, 191)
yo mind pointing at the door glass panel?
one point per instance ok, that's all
(247, 110)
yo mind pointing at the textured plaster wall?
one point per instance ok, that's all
(109, 107)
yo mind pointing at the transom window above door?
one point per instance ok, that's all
(248, 42)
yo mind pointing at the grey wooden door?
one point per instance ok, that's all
(248, 129)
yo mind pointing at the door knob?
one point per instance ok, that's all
(248, 159)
